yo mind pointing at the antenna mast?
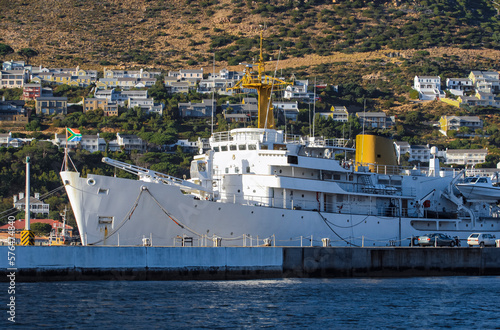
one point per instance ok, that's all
(264, 85)
(213, 96)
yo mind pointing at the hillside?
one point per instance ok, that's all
(181, 33)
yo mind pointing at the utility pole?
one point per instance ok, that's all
(27, 236)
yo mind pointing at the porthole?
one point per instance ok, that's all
(302, 217)
(90, 182)
(252, 212)
(283, 215)
(219, 208)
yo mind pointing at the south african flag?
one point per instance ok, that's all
(73, 134)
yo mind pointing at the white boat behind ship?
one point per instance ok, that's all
(479, 188)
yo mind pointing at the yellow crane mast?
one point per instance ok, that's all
(265, 86)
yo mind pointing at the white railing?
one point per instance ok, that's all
(313, 205)
(221, 137)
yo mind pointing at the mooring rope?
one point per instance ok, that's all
(327, 223)
(176, 221)
(127, 217)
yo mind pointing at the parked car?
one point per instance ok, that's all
(481, 239)
(442, 240)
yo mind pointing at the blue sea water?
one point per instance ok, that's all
(399, 303)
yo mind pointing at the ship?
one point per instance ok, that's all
(258, 186)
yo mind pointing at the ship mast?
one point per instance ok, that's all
(265, 86)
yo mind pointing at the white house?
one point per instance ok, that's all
(428, 87)
(93, 143)
(36, 205)
(421, 153)
(466, 156)
(457, 86)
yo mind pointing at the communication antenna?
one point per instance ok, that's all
(213, 96)
(272, 85)
(314, 106)
(364, 120)
(310, 132)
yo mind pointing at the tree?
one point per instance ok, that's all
(412, 118)
(40, 228)
(27, 53)
(5, 50)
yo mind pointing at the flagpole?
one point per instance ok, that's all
(66, 151)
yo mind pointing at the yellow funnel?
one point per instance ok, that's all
(375, 151)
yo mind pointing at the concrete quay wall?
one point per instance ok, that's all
(56, 263)
(390, 262)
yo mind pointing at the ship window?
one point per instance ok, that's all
(103, 191)
(263, 147)
(293, 159)
(216, 149)
(236, 169)
(223, 148)
(336, 177)
(232, 147)
(242, 147)
(248, 169)
(227, 170)
(252, 147)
